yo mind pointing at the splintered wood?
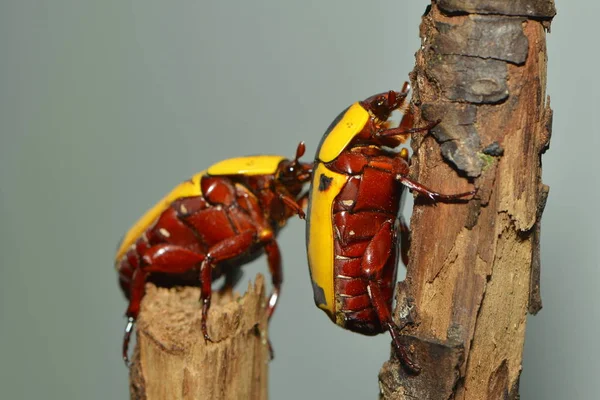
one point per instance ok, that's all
(172, 360)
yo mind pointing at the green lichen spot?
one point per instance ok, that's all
(488, 160)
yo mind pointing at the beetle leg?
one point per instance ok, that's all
(159, 258)
(274, 261)
(292, 203)
(403, 130)
(224, 250)
(385, 319)
(376, 256)
(378, 252)
(126, 337)
(136, 295)
(303, 200)
(206, 293)
(435, 196)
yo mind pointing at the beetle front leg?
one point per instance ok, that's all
(385, 319)
(435, 196)
(224, 250)
(403, 130)
(303, 201)
(293, 204)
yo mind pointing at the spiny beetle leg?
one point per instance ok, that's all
(385, 318)
(224, 250)
(435, 196)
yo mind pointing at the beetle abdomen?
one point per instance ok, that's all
(353, 308)
(194, 224)
(364, 207)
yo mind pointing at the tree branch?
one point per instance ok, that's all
(172, 360)
(474, 268)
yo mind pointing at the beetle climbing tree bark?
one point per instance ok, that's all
(474, 269)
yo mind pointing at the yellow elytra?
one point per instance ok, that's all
(325, 187)
(342, 131)
(249, 166)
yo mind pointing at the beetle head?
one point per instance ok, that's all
(292, 173)
(381, 106)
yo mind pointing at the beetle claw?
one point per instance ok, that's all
(207, 337)
(126, 337)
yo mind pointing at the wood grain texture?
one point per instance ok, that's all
(172, 360)
(474, 268)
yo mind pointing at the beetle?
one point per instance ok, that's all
(210, 225)
(353, 216)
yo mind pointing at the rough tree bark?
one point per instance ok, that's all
(474, 269)
(172, 360)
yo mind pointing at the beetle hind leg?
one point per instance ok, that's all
(135, 298)
(375, 260)
(159, 258)
(385, 319)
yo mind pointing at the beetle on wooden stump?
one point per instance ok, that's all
(210, 225)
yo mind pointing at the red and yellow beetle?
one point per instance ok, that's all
(353, 216)
(213, 223)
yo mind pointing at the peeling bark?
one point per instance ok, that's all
(474, 268)
(172, 360)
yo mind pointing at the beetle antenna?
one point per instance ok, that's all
(300, 151)
(405, 88)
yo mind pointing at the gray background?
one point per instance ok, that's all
(105, 106)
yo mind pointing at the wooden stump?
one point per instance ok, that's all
(172, 360)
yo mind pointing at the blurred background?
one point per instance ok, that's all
(105, 106)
